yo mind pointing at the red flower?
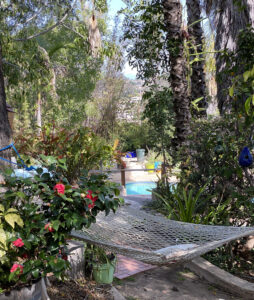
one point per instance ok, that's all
(89, 196)
(18, 243)
(17, 267)
(64, 257)
(49, 227)
(25, 256)
(59, 188)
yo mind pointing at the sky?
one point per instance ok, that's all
(114, 7)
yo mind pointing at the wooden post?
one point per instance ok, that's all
(123, 181)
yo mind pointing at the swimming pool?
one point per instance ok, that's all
(139, 188)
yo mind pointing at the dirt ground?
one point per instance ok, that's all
(166, 283)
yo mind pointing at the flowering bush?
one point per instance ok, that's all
(82, 148)
(37, 215)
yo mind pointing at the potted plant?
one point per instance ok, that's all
(36, 216)
(100, 263)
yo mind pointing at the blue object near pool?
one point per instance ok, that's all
(131, 154)
(140, 188)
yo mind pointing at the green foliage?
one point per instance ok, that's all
(158, 113)
(181, 205)
(133, 136)
(240, 67)
(215, 147)
(81, 148)
(144, 26)
(42, 218)
(57, 64)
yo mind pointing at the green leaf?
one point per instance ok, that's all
(1, 208)
(247, 105)
(231, 91)
(3, 237)
(56, 224)
(11, 219)
(36, 273)
(27, 244)
(21, 195)
(246, 75)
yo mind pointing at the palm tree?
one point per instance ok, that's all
(227, 20)
(5, 129)
(198, 86)
(173, 22)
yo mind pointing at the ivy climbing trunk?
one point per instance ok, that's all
(5, 129)
(173, 22)
(196, 37)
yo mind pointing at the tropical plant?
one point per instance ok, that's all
(215, 159)
(37, 215)
(183, 203)
(81, 148)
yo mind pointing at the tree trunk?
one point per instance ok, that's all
(227, 20)
(198, 85)
(38, 114)
(173, 21)
(5, 129)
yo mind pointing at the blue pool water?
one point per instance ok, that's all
(139, 188)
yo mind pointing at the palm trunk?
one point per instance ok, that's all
(228, 20)
(173, 21)
(5, 129)
(198, 85)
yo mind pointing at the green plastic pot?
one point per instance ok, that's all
(104, 273)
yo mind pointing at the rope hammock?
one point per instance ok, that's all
(155, 239)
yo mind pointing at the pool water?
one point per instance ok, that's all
(140, 188)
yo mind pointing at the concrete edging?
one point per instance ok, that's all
(221, 278)
(116, 294)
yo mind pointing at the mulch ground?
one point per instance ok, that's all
(78, 290)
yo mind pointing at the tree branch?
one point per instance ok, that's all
(50, 28)
(73, 30)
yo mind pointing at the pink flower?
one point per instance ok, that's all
(18, 243)
(17, 267)
(89, 196)
(49, 227)
(59, 188)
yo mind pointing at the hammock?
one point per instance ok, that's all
(155, 239)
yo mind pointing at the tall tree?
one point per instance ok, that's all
(173, 21)
(5, 129)
(228, 18)
(15, 20)
(196, 41)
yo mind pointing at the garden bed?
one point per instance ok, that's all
(240, 265)
(78, 290)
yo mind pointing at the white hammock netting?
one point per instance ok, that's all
(155, 239)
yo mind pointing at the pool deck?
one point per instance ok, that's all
(135, 176)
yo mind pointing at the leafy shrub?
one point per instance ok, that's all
(181, 203)
(214, 148)
(81, 148)
(37, 215)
